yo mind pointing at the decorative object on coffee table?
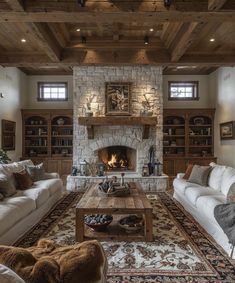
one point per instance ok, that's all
(112, 188)
(98, 222)
(118, 98)
(131, 223)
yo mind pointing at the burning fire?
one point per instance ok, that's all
(114, 162)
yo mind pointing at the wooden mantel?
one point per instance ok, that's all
(90, 122)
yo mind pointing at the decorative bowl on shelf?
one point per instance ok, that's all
(60, 121)
(131, 223)
(98, 222)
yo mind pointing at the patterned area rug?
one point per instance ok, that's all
(181, 251)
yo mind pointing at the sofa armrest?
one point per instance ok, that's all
(180, 175)
(51, 176)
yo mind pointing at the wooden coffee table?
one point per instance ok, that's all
(135, 203)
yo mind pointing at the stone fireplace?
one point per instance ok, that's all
(125, 144)
(89, 81)
(118, 158)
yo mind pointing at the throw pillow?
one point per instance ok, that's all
(7, 188)
(23, 180)
(188, 171)
(200, 175)
(36, 172)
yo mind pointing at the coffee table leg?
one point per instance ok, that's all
(79, 226)
(149, 225)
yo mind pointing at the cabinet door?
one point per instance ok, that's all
(168, 167)
(53, 166)
(180, 166)
(66, 167)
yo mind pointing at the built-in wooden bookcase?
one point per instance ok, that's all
(48, 138)
(188, 137)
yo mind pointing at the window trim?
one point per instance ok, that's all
(196, 91)
(39, 98)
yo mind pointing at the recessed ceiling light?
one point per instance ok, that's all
(23, 40)
(212, 39)
(151, 29)
(78, 29)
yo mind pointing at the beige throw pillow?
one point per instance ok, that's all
(7, 187)
(231, 194)
(199, 175)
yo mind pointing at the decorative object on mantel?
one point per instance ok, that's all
(145, 171)
(147, 103)
(118, 98)
(227, 130)
(100, 169)
(89, 112)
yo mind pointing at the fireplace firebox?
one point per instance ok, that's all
(118, 158)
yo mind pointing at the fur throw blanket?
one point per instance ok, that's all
(49, 262)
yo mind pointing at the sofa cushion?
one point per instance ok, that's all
(13, 210)
(228, 179)
(53, 185)
(199, 175)
(7, 187)
(180, 185)
(39, 195)
(194, 192)
(23, 180)
(215, 177)
(9, 276)
(206, 205)
(36, 172)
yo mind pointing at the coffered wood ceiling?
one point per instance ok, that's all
(113, 31)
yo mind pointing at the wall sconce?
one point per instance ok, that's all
(167, 3)
(81, 3)
(146, 40)
(1, 95)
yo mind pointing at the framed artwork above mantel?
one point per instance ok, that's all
(8, 135)
(118, 99)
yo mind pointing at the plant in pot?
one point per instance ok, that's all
(4, 157)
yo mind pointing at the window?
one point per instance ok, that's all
(48, 91)
(183, 90)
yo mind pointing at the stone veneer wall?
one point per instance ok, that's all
(90, 81)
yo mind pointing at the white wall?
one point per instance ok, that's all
(204, 100)
(13, 86)
(31, 101)
(222, 90)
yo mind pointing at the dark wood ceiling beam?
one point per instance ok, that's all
(187, 38)
(124, 57)
(215, 5)
(118, 17)
(16, 5)
(46, 40)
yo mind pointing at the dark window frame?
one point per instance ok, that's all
(40, 91)
(195, 85)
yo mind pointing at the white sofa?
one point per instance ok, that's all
(24, 209)
(200, 201)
